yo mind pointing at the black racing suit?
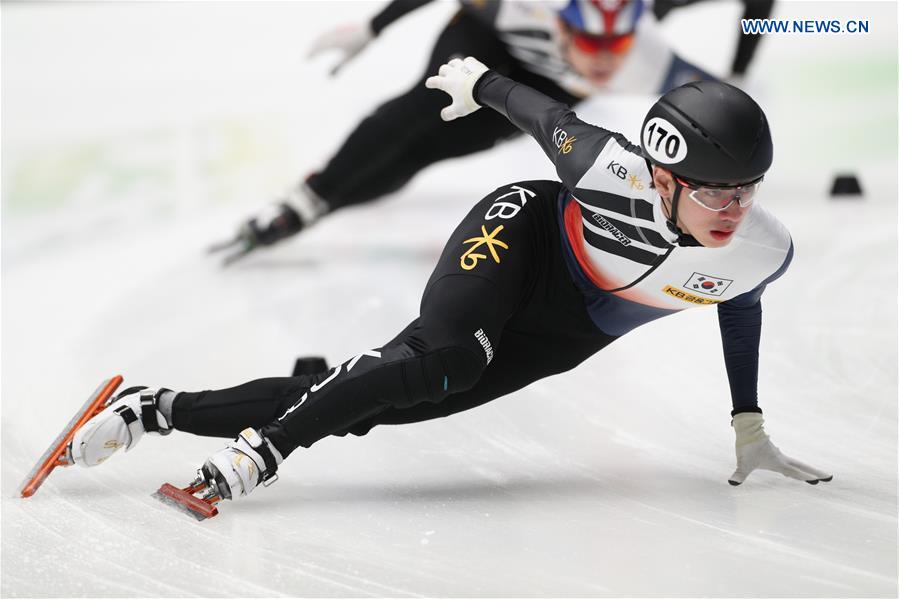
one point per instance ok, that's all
(503, 307)
(406, 134)
(499, 312)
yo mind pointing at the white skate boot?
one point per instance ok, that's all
(230, 473)
(236, 470)
(134, 412)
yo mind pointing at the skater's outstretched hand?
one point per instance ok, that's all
(755, 451)
(349, 40)
(458, 78)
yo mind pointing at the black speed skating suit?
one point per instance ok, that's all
(499, 312)
(537, 277)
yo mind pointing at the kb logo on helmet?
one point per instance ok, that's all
(663, 142)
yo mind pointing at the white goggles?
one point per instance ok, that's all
(718, 198)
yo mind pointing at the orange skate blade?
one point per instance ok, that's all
(186, 502)
(56, 453)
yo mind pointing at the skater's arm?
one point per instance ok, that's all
(740, 321)
(570, 143)
(741, 324)
(350, 40)
(747, 43)
(535, 113)
(741, 328)
(393, 12)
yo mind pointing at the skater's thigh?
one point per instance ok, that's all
(492, 260)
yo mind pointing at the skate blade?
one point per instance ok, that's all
(56, 454)
(234, 256)
(239, 242)
(223, 245)
(186, 502)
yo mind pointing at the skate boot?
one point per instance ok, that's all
(246, 462)
(296, 210)
(132, 413)
(230, 473)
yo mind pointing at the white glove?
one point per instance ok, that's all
(349, 40)
(756, 451)
(458, 78)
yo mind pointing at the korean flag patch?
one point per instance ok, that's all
(707, 285)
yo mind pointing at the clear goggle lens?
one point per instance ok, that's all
(717, 198)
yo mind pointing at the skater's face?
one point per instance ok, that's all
(594, 57)
(711, 228)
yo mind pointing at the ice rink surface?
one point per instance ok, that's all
(134, 134)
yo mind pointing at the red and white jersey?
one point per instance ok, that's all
(616, 227)
(531, 33)
(619, 244)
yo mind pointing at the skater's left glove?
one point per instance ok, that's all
(349, 40)
(458, 78)
(756, 451)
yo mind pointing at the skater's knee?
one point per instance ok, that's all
(463, 368)
(440, 373)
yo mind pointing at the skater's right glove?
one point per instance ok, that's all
(755, 451)
(458, 78)
(247, 461)
(350, 40)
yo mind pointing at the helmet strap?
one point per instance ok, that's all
(683, 239)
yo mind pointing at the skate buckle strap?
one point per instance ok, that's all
(149, 406)
(130, 418)
(127, 414)
(270, 475)
(148, 410)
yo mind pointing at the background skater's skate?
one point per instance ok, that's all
(294, 211)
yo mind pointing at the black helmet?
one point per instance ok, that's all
(708, 132)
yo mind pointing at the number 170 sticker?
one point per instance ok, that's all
(663, 142)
